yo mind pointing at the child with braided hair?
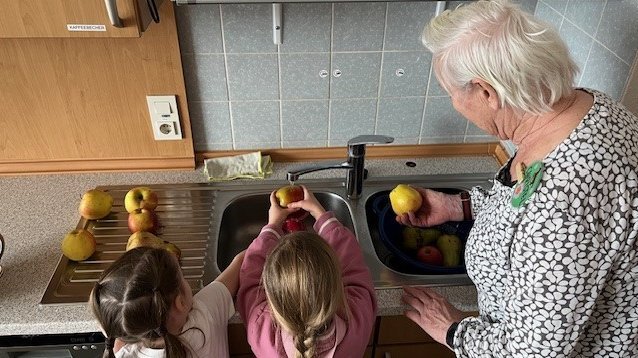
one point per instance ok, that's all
(146, 308)
(305, 294)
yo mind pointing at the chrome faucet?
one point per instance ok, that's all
(354, 164)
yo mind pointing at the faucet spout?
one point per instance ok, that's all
(354, 164)
(294, 175)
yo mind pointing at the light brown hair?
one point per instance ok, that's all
(302, 280)
(132, 299)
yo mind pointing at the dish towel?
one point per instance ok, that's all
(247, 166)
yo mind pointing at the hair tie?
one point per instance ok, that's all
(110, 343)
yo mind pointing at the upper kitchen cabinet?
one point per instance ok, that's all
(76, 18)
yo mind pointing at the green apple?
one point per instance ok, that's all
(95, 204)
(140, 197)
(78, 245)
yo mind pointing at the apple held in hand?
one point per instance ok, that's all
(293, 225)
(430, 255)
(78, 245)
(142, 220)
(141, 197)
(95, 204)
(405, 199)
(289, 194)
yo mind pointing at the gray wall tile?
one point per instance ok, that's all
(305, 144)
(358, 26)
(579, 44)
(199, 29)
(205, 77)
(300, 76)
(354, 46)
(253, 77)
(549, 14)
(405, 24)
(304, 121)
(605, 72)
(255, 122)
(413, 82)
(585, 14)
(359, 75)
(442, 120)
(618, 29)
(400, 117)
(528, 5)
(248, 28)
(558, 5)
(211, 125)
(350, 118)
(306, 27)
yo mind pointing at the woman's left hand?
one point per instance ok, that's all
(431, 311)
(276, 214)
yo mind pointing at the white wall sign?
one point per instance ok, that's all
(84, 27)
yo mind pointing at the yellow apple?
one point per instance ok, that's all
(289, 194)
(95, 204)
(78, 245)
(405, 199)
(140, 197)
(143, 238)
(173, 249)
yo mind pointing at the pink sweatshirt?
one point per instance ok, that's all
(345, 338)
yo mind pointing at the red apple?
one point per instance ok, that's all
(289, 194)
(292, 225)
(142, 220)
(140, 197)
(430, 255)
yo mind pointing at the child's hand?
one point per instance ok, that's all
(309, 203)
(276, 214)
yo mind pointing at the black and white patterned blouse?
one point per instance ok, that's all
(558, 276)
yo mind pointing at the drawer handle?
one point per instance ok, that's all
(111, 9)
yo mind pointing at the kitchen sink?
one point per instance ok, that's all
(245, 215)
(212, 222)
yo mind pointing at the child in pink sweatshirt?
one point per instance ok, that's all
(306, 294)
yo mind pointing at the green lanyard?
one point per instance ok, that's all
(527, 185)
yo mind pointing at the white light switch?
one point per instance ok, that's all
(164, 117)
(163, 108)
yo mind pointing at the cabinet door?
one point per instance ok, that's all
(67, 18)
(413, 350)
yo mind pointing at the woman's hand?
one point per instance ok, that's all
(276, 214)
(309, 203)
(436, 209)
(431, 311)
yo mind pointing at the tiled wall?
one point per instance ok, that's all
(602, 36)
(244, 92)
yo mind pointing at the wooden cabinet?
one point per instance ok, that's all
(398, 337)
(73, 18)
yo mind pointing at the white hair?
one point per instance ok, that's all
(521, 57)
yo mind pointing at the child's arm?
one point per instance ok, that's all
(356, 277)
(230, 276)
(250, 294)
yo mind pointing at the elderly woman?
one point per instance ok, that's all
(553, 250)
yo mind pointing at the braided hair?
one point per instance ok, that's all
(302, 281)
(132, 299)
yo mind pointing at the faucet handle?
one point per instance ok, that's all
(370, 139)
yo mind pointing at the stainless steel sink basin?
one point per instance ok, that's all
(211, 222)
(245, 215)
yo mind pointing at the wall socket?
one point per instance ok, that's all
(164, 117)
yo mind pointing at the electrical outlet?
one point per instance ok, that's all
(164, 117)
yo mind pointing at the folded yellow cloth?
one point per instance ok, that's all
(250, 166)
